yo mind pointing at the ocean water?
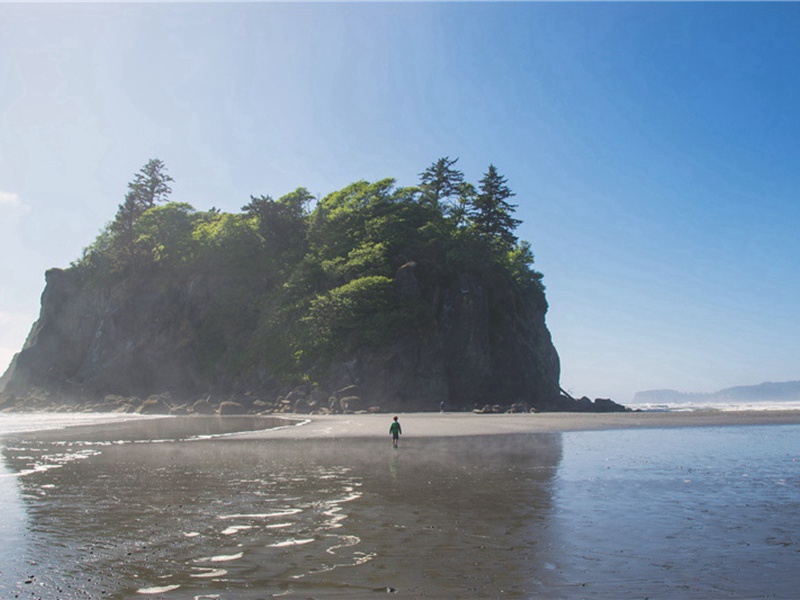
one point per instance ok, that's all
(683, 513)
(11, 423)
(179, 508)
(717, 405)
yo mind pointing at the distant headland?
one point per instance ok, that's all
(763, 392)
(372, 298)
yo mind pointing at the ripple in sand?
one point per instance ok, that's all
(277, 513)
(347, 541)
(208, 572)
(292, 542)
(221, 558)
(158, 590)
(236, 529)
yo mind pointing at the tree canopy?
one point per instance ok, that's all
(304, 279)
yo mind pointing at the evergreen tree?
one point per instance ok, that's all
(459, 211)
(149, 186)
(123, 229)
(282, 223)
(441, 181)
(491, 213)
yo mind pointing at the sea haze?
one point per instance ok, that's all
(765, 396)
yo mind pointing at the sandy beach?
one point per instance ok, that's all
(433, 425)
(553, 505)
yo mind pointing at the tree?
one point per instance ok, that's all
(491, 212)
(150, 186)
(165, 232)
(123, 229)
(282, 223)
(459, 210)
(441, 181)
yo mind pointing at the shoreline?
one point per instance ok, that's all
(328, 509)
(430, 425)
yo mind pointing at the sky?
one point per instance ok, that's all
(653, 149)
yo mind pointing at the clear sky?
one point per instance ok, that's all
(654, 149)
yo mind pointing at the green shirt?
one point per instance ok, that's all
(394, 428)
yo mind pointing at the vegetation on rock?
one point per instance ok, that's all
(375, 296)
(301, 282)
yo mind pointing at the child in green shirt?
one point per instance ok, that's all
(395, 431)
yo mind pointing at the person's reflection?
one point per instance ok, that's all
(471, 515)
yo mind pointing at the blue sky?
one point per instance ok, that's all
(652, 147)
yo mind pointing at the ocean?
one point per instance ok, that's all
(180, 508)
(716, 405)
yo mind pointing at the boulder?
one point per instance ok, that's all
(228, 407)
(154, 405)
(350, 403)
(302, 406)
(203, 407)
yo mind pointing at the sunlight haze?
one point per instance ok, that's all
(653, 149)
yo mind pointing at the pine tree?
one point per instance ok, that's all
(149, 187)
(441, 181)
(282, 222)
(491, 213)
(151, 184)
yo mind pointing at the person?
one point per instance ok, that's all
(395, 430)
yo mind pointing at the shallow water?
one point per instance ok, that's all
(678, 513)
(683, 513)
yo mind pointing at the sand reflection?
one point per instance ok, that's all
(254, 519)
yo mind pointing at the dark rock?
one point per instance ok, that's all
(405, 282)
(295, 395)
(351, 403)
(607, 405)
(229, 407)
(203, 407)
(153, 406)
(301, 406)
(483, 341)
(318, 396)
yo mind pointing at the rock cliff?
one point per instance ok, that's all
(379, 298)
(114, 346)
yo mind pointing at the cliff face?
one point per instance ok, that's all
(127, 339)
(142, 337)
(480, 351)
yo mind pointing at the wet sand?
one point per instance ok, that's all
(432, 425)
(632, 505)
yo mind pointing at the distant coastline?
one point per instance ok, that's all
(764, 396)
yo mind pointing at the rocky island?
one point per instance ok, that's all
(373, 298)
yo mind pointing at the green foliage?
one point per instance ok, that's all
(150, 186)
(282, 224)
(288, 288)
(226, 242)
(166, 232)
(519, 265)
(369, 258)
(441, 181)
(121, 247)
(339, 222)
(362, 312)
(491, 213)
